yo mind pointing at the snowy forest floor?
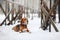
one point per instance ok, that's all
(6, 32)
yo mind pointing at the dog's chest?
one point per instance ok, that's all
(22, 25)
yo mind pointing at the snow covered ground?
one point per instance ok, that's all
(6, 32)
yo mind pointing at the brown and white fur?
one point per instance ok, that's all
(22, 26)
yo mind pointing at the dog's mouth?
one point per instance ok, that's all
(25, 23)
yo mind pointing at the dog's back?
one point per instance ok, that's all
(16, 28)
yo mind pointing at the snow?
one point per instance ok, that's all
(6, 32)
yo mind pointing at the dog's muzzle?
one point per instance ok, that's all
(25, 23)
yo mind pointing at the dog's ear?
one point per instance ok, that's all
(21, 20)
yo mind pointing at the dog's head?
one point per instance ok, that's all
(24, 21)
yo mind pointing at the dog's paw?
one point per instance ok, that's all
(29, 32)
(20, 32)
